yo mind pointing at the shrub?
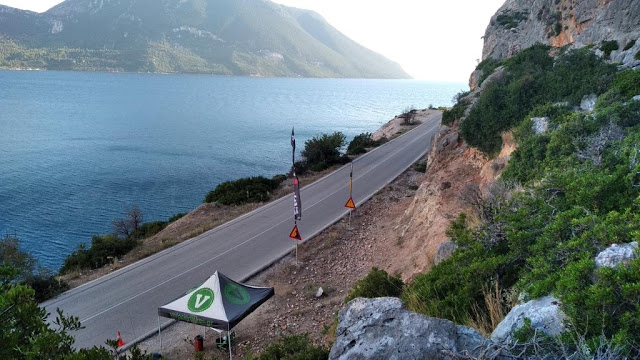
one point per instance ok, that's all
(608, 47)
(295, 347)
(376, 284)
(511, 19)
(629, 45)
(488, 66)
(455, 113)
(526, 162)
(360, 142)
(637, 55)
(242, 191)
(531, 79)
(321, 152)
(420, 166)
(28, 272)
(103, 250)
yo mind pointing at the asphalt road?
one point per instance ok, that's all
(127, 299)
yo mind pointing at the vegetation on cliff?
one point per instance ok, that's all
(566, 195)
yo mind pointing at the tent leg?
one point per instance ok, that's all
(229, 337)
(160, 334)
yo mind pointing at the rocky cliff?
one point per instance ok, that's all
(519, 24)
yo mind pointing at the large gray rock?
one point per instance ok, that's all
(382, 329)
(540, 125)
(588, 102)
(445, 250)
(449, 142)
(636, 98)
(544, 313)
(616, 254)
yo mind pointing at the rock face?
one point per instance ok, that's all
(545, 315)
(519, 24)
(381, 329)
(616, 254)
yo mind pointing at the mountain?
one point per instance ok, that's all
(230, 37)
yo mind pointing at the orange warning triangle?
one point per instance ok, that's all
(295, 233)
(350, 204)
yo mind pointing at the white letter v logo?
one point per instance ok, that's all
(200, 300)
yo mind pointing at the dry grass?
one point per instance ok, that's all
(498, 302)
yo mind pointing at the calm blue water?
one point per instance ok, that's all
(78, 149)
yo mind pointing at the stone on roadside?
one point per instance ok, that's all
(319, 292)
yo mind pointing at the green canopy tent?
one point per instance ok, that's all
(219, 303)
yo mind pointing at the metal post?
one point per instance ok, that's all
(160, 334)
(229, 338)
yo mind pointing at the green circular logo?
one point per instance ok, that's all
(236, 294)
(200, 300)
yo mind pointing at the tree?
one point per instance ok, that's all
(322, 151)
(129, 226)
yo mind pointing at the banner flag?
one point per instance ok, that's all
(297, 204)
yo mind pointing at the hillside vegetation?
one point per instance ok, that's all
(566, 195)
(226, 37)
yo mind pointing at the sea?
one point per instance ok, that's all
(77, 149)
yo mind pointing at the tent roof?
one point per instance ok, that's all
(219, 302)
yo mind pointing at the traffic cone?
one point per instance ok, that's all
(119, 340)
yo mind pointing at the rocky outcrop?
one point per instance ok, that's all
(617, 254)
(520, 24)
(544, 313)
(382, 329)
(588, 103)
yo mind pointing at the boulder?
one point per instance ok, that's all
(545, 316)
(617, 254)
(636, 98)
(445, 250)
(448, 142)
(540, 125)
(588, 103)
(382, 329)
(474, 79)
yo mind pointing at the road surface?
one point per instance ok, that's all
(127, 299)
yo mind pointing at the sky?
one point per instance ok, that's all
(431, 40)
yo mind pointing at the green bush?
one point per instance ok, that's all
(453, 114)
(376, 284)
(323, 151)
(511, 19)
(527, 160)
(629, 45)
(242, 191)
(27, 271)
(360, 142)
(608, 47)
(295, 347)
(488, 66)
(532, 78)
(103, 250)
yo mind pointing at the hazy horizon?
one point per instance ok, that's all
(441, 41)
